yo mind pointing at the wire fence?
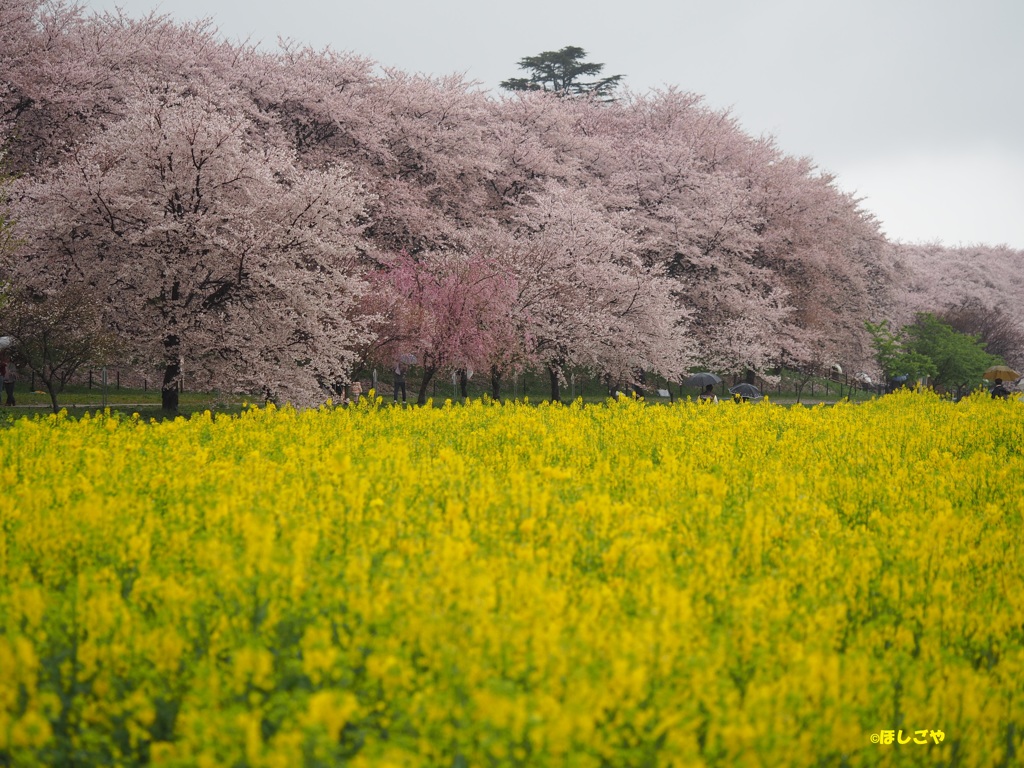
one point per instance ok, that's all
(98, 378)
(537, 385)
(532, 384)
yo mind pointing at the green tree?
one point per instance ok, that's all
(560, 72)
(933, 348)
(893, 354)
(1001, 331)
(959, 359)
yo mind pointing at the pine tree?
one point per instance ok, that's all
(560, 72)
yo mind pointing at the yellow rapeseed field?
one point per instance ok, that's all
(492, 585)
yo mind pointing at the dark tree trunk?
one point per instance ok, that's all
(169, 393)
(172, 374)
(428, 374)
(51, 388)
(495, 383)
(555, 391)
(464, 383)
(609, 383)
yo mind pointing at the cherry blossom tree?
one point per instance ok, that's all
(585, 299)
(981, 285)
(65, 73)
(211, 249)
(672, 173)
(415, 144)
(775, 263)
(55, 335)
(6, 224)
(27, 46)
(829, 255)
(448, 310)
(225, 202)
(938, 277)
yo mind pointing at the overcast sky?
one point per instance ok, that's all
(917, 106)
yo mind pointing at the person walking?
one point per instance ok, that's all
(399, 382)
(998, 390)
(10, 377)
(355, 391)
(708, 395)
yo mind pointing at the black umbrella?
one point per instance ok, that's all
(746, 391)
(701, 380)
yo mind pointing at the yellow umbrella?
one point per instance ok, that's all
(1001, 372)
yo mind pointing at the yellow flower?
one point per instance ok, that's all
(501, 583)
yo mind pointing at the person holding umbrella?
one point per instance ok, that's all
(744, 392)
(706, 381)
(708, 395)
(997, 374)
